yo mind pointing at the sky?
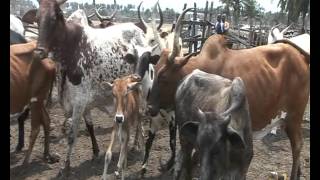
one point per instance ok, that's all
(177, 5)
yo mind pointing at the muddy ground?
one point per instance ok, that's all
(273, 153)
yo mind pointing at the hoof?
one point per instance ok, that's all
(64, 173)
(117, 173)
(166, 166)
(143, 171)
(52, 158)
(19, 148)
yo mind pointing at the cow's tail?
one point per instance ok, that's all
(49, 99)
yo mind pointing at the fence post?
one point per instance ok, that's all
(209, 27)
(195, 45)
(205, 24)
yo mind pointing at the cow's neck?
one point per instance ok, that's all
(68, 51)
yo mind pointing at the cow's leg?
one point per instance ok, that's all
(50, 158)
(35, 128)
(293, 129)
(124, 138)
(21, 120)
(151, 136)
(172, 136)
(72, 136)
(138, 139)
(108, 155)
(183, 168)
(89, 124)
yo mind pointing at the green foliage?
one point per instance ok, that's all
(294, 8)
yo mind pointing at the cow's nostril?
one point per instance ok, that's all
(119, 119)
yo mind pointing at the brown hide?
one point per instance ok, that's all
(276, 76)
(127, 101)
(22, 82)
(31, 80)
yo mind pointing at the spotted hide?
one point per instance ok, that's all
(86, 57)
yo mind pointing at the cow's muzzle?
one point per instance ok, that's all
(40, 53)
(119, 119)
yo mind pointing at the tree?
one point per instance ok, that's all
(294, 8)
(252, 11)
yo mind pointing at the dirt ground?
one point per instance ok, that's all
(273, 153)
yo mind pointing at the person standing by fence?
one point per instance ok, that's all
(219, 25)
(225, 23)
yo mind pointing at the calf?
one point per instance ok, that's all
(30, 83)
(222, 134)
(126, 93)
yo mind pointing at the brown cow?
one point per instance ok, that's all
(271, 73)
(126, 93)
(30, 83)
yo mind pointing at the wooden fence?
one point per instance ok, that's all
(198, 26)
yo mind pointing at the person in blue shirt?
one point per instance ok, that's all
(219, 26)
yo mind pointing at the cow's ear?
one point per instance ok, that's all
(30, 17)
(163, 34)
(132, 86)
(154, 59)
(181, 61)
(189, 131)
(107, 85)
(235, 138)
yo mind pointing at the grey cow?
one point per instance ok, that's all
(213, 118)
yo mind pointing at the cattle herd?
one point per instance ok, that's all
(215, 98)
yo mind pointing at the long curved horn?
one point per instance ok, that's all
(153, 26)
(286, 29)
(161, 16)
(61, 1)
(140, 18)
(91, 15)
(272, 28)
(177, 31)
(103, 18)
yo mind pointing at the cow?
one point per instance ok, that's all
(158, 39)
(87, 57)
(126, 92)
(271, 74)
(16, 30)
(221, 134)
(30, 84)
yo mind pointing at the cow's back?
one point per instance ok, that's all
(270, 74)
(208, 92)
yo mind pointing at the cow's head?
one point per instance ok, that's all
(122, 89)
(51, 22)
(275, 34)
(105, 21)
(216, 134)
(166, 75)
(212, 135)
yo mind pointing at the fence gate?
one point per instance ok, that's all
(196, 27)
